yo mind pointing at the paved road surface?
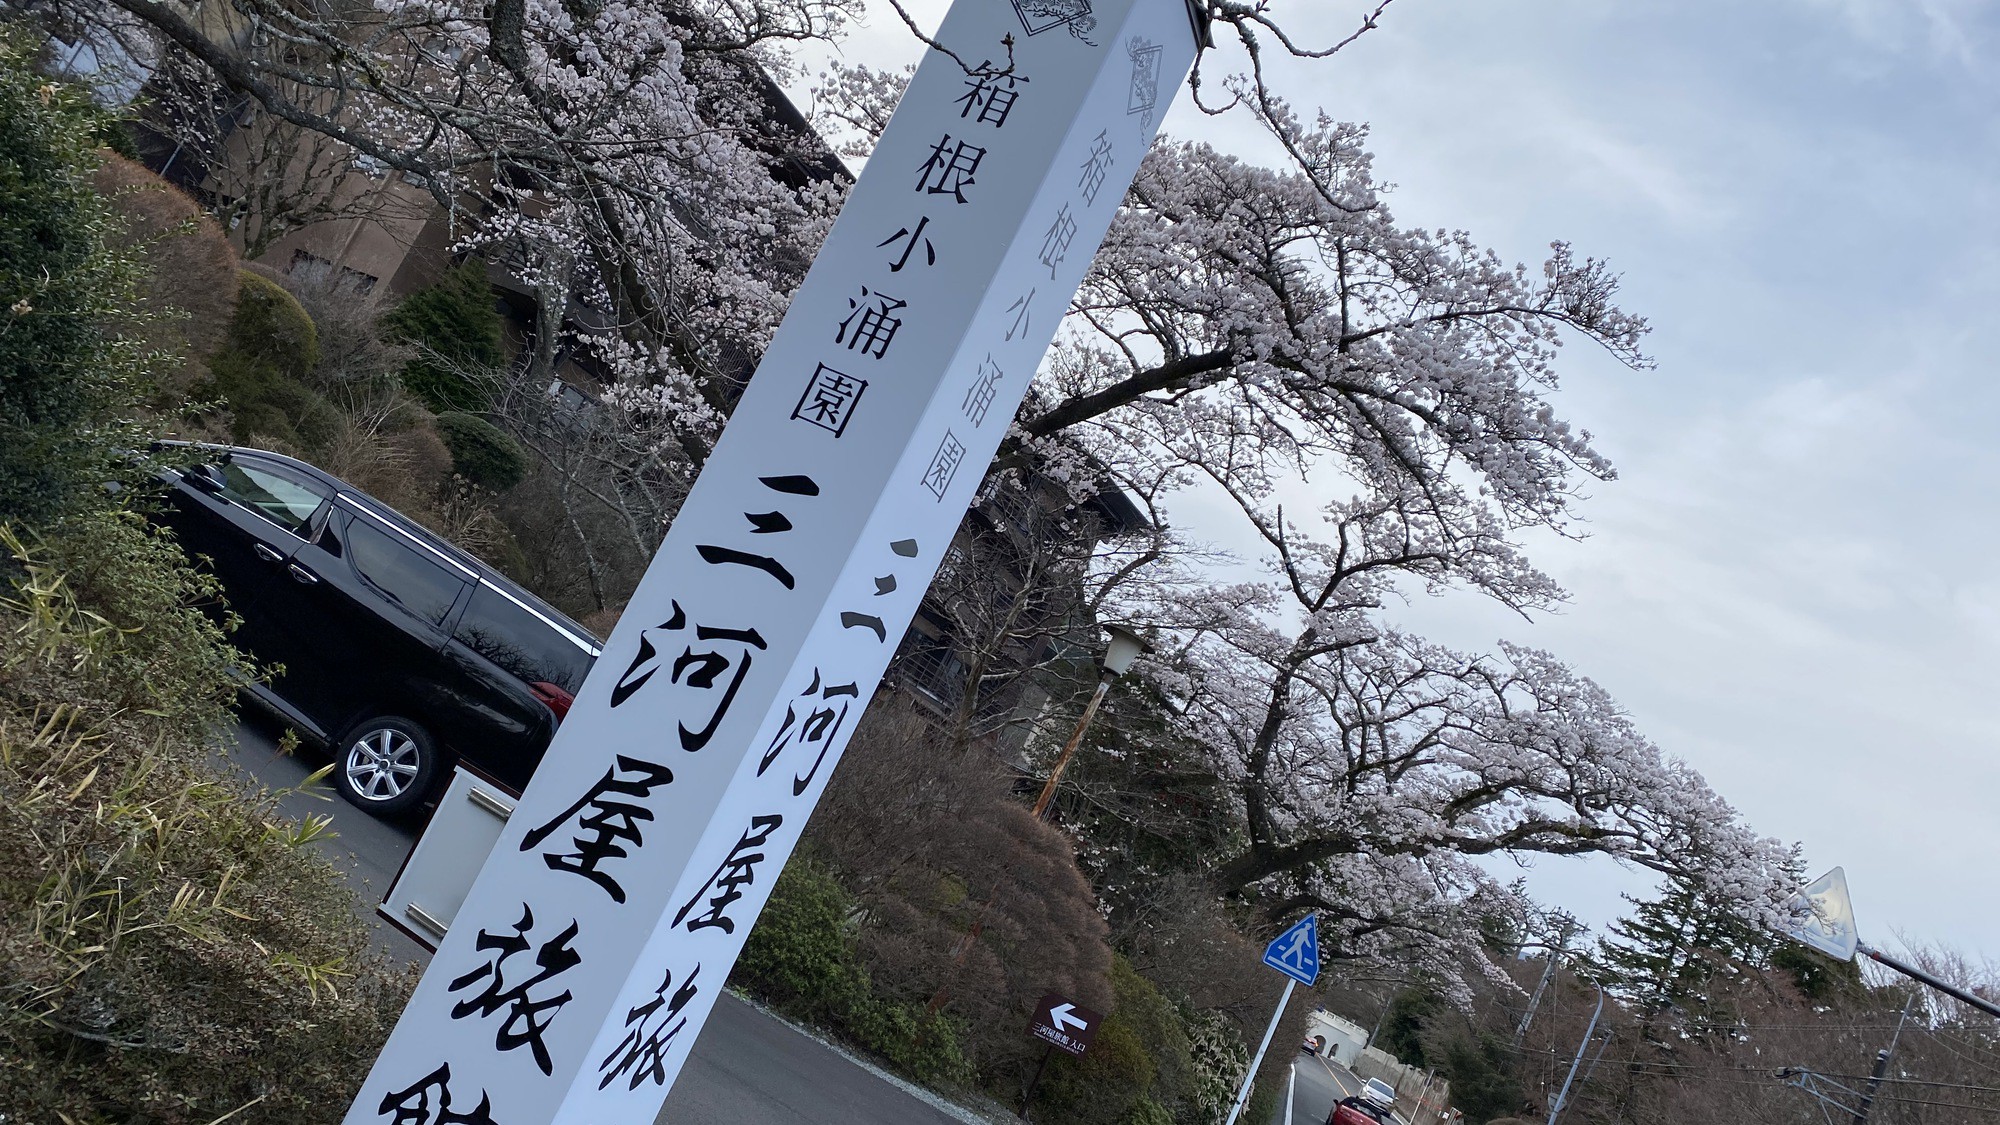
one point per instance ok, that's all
(1318, 1084)
(746, 1069)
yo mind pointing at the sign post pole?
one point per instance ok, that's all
(1250, 1075)
(1824, 920)
(1028, 1099)
(596, 939)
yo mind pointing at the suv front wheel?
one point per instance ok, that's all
(386, 765)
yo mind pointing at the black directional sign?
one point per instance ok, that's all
(1064, 1025)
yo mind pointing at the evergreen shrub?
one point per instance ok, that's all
(455, 328)
(259, 372)
(482, 452)
(172, 950)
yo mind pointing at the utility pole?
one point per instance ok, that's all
(1881, 1070)
(1589, 1032)
(1566, 929)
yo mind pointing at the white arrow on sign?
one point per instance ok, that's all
(1063, 1017)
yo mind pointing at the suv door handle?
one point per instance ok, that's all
(301, 574)
(267, 554)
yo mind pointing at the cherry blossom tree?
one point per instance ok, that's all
(1370, 771)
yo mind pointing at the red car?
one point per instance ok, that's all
(1354, 1111)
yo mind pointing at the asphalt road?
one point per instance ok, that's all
(746, 1069)
(1317, 1083)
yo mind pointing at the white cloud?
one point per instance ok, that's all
(1950, 29)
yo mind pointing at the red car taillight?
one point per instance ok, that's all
(555, 698)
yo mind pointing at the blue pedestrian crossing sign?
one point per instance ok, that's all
(1295, 952)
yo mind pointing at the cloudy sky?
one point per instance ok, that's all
(1793, 585)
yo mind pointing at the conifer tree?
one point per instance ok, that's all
(1669, 951)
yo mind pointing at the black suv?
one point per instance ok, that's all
(398, 651)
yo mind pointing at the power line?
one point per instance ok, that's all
(1756, 1075)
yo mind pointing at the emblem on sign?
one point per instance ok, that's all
(1144, 94)
(1038, 16)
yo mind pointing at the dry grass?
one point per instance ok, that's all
(171, 951)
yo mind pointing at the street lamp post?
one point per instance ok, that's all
(1124, 647)
(1120, 651)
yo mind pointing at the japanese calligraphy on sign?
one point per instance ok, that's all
(829, 400)
(985, 388)
(641, 1056)
(944, 465)
(738, 870)
(905, 240)
(428, 1101)
(595, 942)
(951, 168)
(606, 821)
(493, 987)
(991, 93)
(1096, 168)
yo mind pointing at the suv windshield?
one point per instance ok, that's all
(288, 503)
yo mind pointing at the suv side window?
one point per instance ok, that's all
(282, 499)
(520, 642)
(402, 572)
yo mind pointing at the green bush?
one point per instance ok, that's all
(67, 373)
(1218, 1059)
(258, 373)
(131, 590)
(481, 452)
(1265, 1098)
(1480, 1071)
(456, 330)
(797, 957)
(271, 329)
(800, 959)
(171, 950)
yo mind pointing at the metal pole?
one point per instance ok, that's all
(1916, 974)
(1610, 1033)
(1379, 1019)
(1882, 1058)
(1563, 933)
(1075, 738)
(1243, 1095)
(1563, 1096)
(1874, 1084)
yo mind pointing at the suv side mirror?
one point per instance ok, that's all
(205, 478)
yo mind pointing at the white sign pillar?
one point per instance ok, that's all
(592, 947)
